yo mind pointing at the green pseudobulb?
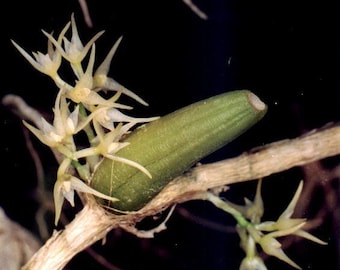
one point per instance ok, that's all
(172, 144)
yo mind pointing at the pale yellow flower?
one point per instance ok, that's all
(82, 92)
(273, 247)
(65, 186)
(48, 63)
(109, 116)
(252, 263)
(73, 50)
(65, 125)
(102, 82)
(285, 225)
(252, 210)
(285, 221)
(108, 144)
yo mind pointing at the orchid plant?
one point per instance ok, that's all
(253, 232)
(100, 118)
(81, 107)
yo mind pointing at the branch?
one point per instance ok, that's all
(94, 222)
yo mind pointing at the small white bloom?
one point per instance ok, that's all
(107, 118)
(108, 144)
(65, 125)
(65, 186)
(82, 92)
(252, 263)
(102, 81)
(74, 51)
(48, 63)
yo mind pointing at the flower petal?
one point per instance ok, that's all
(104, 67)
(252, 263)
(290, 208)
(117, 116)
(58, 200)
(102, 81)
(79, 185)
(309, 236)
(273, 247)
(131, 163)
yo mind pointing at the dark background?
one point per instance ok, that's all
(284, 51)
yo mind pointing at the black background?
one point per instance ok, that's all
(284, 51)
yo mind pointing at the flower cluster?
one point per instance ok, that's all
(253, 232)
(81, 108)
